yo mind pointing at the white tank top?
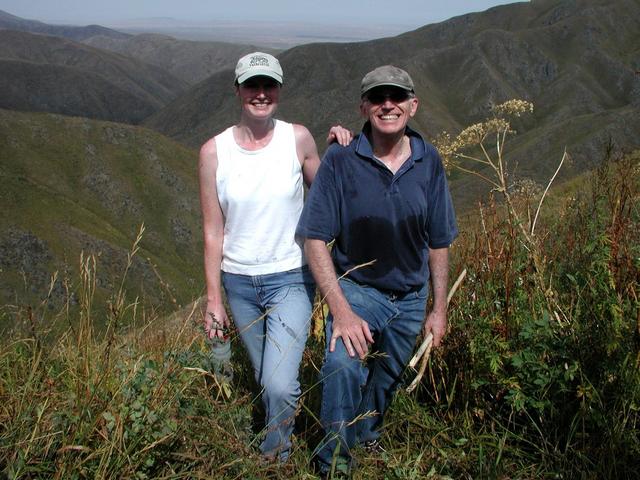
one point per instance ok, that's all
(261, 195)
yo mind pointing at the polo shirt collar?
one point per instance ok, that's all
(363, 146)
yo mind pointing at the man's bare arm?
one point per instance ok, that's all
(353, 330)
(436, 321)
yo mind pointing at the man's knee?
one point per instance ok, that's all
(340, 365)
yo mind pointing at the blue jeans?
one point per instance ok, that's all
(272, 313)
(353, 388)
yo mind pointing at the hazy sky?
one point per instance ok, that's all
(408, 12)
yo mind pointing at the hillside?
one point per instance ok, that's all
(72, 185)
(521, 387)
(47, 73)
(577, 61)
(190, 61)
(11, 22)
(27, 86)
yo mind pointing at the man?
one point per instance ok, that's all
(385, 201)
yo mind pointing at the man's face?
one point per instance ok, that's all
(259, 96)
(388, 108)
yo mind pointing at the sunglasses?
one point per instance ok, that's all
(396, 96)
(264, 82)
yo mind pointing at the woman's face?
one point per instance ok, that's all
(259, 96)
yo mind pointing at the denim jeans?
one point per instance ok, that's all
(272, 313)
(352, 388)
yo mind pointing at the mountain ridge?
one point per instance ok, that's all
(570, 58)
(190, 61)
(12, 22)
(80, 79)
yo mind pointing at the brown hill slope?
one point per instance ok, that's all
(11, 22)
(575, 60)
(41, 69)
(187, 60)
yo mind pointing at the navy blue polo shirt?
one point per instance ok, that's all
(376, 215)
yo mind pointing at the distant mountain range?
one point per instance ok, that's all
(11, 22)
(282, 34)
(72, 184)
(53, 74)
(576, 60)
(188, 60)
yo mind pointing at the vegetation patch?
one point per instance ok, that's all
(538, 376)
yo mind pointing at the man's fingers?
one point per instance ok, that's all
(355, 337)
(359, 342)
(362, 343)
(350, 346)
(437, 337)
(367, 333)
(332, 344)
(362, 352)
(437, 334)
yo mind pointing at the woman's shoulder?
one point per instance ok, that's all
(209, 148)
(297, 134)
(212, 145)
(301, 132)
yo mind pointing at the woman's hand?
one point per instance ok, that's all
(216, 322)
(339, 134)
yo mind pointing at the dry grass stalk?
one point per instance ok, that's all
(459, 150)
(426, 344)
(423, 366)
(456, 285)
(544, 194)
(424, 351)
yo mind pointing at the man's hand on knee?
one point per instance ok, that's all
(354, 332)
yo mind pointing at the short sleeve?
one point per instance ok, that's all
(442, 228)
(320, 217)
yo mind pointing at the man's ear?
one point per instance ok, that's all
(413, 106)
(363, 109)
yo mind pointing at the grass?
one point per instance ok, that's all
(538, 377)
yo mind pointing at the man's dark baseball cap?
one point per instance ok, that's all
(386, 75)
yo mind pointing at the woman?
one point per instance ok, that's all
(251, 195)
